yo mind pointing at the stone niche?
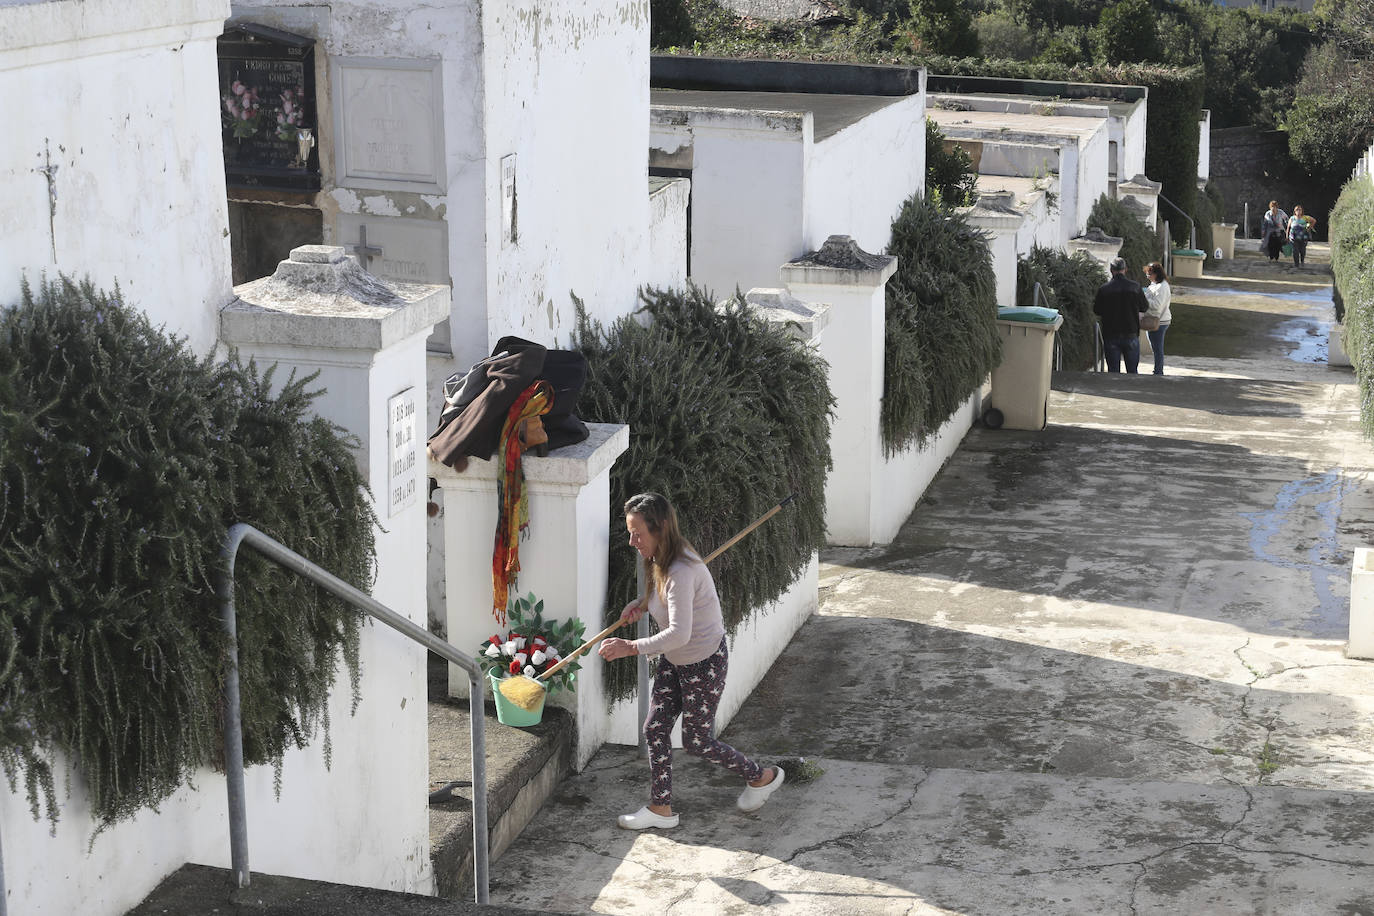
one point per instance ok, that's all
(268, 113)
(267, 108)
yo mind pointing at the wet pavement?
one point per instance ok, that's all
(1100, 670)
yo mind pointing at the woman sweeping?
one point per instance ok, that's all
(691, 669)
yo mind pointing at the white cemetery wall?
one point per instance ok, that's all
(859, 177)
(903, 478)
(667, 267)
(1091, 178)
(1041, 225)
(566, 87)
(110, 162)
(748, 175)
(1204, 147)
(529, 171)
(1131, 149)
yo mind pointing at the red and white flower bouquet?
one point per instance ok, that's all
(532, 645)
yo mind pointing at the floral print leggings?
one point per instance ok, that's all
(692, 691)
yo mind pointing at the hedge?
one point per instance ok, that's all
(728, 415)
(941, 312)
(1352, 268)
(1069, 284)
(124, 458)
(1139, 245)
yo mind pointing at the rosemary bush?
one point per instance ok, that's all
(1139, 245)
(1351, 231)
(123, 459)
(1069, 282)
(941, 339)
(727, 415)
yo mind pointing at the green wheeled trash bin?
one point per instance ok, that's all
(1021, 384)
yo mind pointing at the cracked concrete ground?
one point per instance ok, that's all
(1100, 670)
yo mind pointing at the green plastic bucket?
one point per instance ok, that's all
(508, 713)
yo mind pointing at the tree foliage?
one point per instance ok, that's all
(124, 458)
(727, 415)
(1331, 122)
(1127, 33)
(943, 27)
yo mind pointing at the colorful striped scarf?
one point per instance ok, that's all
(512, 498)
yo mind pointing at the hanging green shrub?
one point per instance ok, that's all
(941, 311)
(1069, 282)
(123, 460)
(727, 415)
(1139, 245)
(951, 179)
(1351, 231)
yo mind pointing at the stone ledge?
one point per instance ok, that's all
(574, 465)
(524, 767)
(321, 297)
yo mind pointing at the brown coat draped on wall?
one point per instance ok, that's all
(471, 423)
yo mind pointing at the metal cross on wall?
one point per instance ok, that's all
(364, 251)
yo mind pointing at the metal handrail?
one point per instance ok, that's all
(233, 727)
(1192, 226)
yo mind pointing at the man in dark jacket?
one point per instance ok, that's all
(1118, 305)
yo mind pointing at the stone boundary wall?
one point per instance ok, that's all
(1253, 165)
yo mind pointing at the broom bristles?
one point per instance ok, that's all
(524, 691)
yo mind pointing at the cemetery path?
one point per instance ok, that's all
(1100, 670)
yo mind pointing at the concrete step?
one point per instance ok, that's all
(524, 767)
(199, 890)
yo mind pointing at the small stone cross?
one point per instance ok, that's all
(364, 251)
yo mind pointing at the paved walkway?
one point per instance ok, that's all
(1100, 670)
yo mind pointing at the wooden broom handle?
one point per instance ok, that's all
(645, 597)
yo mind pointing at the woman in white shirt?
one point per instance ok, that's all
(1157, 294)
(692, 662)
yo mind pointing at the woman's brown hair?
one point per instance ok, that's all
(661, 520)
(1156, 271)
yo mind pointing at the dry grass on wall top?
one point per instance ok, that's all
(124, 458)
(941, 309)
(727, 415)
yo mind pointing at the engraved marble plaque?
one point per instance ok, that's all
(390, 119)
(403, 440)
(411, 250)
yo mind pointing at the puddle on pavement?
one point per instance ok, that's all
(1211, 328)
(1308, 509)
(1317, 294)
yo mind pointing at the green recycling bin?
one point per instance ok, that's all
(1021, 384)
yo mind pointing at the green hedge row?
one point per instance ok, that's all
(728, 415)
(124, 458)
(1352, 268)
(941, 313)
(1139, 244)
(1068, 283)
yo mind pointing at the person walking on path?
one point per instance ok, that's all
(1299, 233)
(1274, 230)
(692, 662)
(1157, 293)
(1118, 305)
